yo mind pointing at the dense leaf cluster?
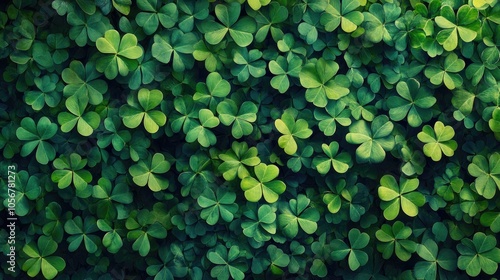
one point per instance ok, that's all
(164, 139)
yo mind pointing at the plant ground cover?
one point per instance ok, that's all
(287, 139)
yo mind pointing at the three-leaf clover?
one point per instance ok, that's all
(143, 226)
(291, 129)
(264, 184)
(81, 231)
(402, 196)
(336, 112)
(394, 239)
(342, 14)
(215, 204)
(413, 102)
(240, 117)
(146, 172)
(82, 80)
(434, 259)
(240, 30)
(48, 92)
(140, 109)
(356, 256)
(40, 258)
(201, 131)
(487, 173)
(438, 141)
(479, 254)
(248, 63)
(85, 122)
(237, 159)
(215, 88)
(153, 13)
(175, 46)
(227, 263)
(262, 223)
(36, 135)
(282, 68)
(465, 23)
(71, 170)
(374, 139)
(120, 54)
(341, 162)
(318, 78)
(447, 73)
(295, 213)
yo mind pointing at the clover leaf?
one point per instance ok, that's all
(48, 92)
(41, 259)
(71, 170)
(87, 27)
(402, 196)
(36, 135)
(356, 256)
(336, 112)
(465, 24)
(413, 102)
(140, 109)
(80, 231)
(85, 122)
(172, 263)
(342, 14)
(153, 13)
(27, 189)
(434, 259)
(295, 213)
(340, 162)
(109, 195)
(201, 131)
(240, 30)
(438, 141)
(318, 78)
(447, 73)
(227, 263)
(237, 159)
(479, 254)
(191, 12)
(487, 173)
(118, 138)
(217, 204)
(291, 129)
(282, 68)
(374, 139)
(248, 64)
(143, 227)
(264, 184)
(175, 46)
(494, 122)
(378, 20)
(492, 220)
(261, 224)
(120, 54)
(240, 117)
(215, 88)
(146, 172)
(82, 80)
(112, 239)
(394, 239)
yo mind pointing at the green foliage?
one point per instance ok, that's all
(374, 139)
(479, 254)
(41, 259)
(291, 129)
(121, 54)
(354, 253)
(402, 196)
(140, 109)
(262, 139)
(264, 185)
(438, 141)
